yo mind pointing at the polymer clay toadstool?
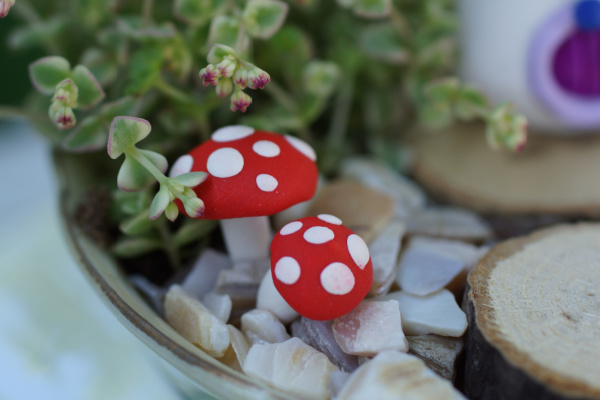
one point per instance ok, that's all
(251, 175)
(320, 267)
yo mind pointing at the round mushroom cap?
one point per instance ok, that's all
(250, 173)
(320, 267)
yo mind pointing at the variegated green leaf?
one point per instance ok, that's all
(48, 72)
(125, 132)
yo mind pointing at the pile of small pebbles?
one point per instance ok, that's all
(402, 341)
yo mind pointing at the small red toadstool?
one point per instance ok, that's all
(320, 267)
(251, 175)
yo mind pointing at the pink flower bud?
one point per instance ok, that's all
(258, 78)
(62, 115)
(5, 6)
(240, 101)
(224, 87)
(240, 77)
(227, 66)
(209, 75)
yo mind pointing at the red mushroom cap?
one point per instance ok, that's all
(250, 173)
(320, 267)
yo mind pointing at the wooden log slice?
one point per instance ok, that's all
(551, 176)
(533, 306)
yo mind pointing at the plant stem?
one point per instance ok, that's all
(172, 92)
(341, 114)
(282, 97)
(168, 244)
(142, 159)
(14, 112)
(147, 12)
(29, 15)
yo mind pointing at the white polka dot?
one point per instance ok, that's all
(287, 270)
(359, 251)
(318, 235)
(183, 165)
(231, 133)
(225, 163)
(266, 182)
(336, 278)
(290, 228)
(330, 218)
(302, 147)
(266, 148)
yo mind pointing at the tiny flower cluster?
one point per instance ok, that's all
(5, 6)
(62, 104)
(231, 75)
(179, 188)
(506, 129)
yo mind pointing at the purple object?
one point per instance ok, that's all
(577, 63)
(573, 109)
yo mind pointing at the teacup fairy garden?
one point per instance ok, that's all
(257, 187)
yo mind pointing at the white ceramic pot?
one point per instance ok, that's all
(542, 55)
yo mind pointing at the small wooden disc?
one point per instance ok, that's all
(551, 176)
(534, 317)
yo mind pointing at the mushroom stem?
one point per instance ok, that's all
(247, 238)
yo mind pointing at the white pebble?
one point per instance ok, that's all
(205, 272)
(218, 304)
(435, 313)
(422, 271)
(261, 326)
(292, 366)
(269, 299)
(392, 375)
(195, 323)
(371, 328)
(384, 250)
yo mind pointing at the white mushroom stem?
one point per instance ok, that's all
(247, 238)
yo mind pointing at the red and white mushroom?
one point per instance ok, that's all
(251, 175)
(320, 267)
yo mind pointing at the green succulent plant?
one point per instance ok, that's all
(348, 76)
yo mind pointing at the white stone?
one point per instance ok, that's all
(466, 252)
(218, 304)
(318, 235)
(359, 251)
(319, 335)
(450, 223)
(225, 163)
(384, 250)
(422, 271)
(407, 195)
(239, 343)
(195, 323)
(435, 313)
(261, 326)
(203, 276)
(392, 375)
(266, 182)
(332, 219)
(292, 366)
(373, 326)
(269, 299)
(290, 228)
(266, 148)
(337, 278)
(287, 270)
(183, 165)
(302, 147)
(337, 381)
(231, 133)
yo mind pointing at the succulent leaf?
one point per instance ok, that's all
(263, 18)
(48, 72)
(126, 132)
